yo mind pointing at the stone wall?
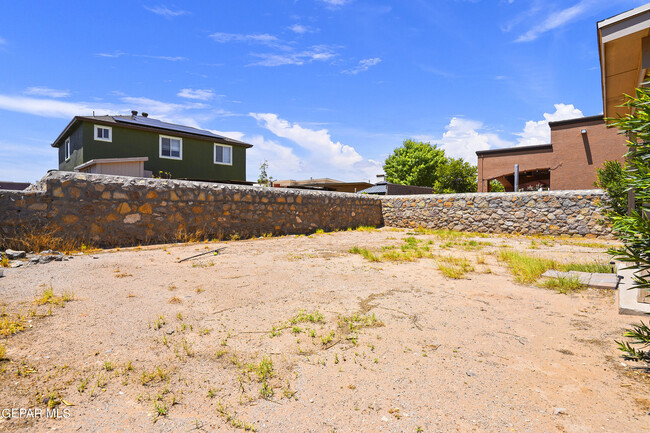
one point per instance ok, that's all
(113, 210)
(547, 212)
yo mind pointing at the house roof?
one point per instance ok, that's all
(577, 120)
(148, 124)
(622, 43)
(379, 188)
(516, 149)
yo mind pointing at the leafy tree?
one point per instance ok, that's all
(423, 164)
(496, 186)
(455, 175)
(634, 229)
(612, 179)
(264, 179)
(415, 163)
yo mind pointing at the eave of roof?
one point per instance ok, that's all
(622, 34)
(520, 149)
(577, 120)
(110, 121)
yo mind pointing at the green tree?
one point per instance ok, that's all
(423, 164)
(455, 175)
(612, 179)
(634, 229)
(264, 179)
(414, 163)
(496, 186)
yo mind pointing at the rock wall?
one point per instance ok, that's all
(113, 210)
(547, 212)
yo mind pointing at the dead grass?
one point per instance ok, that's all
(37, 239)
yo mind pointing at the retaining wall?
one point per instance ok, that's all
(546, 212)
(114, 210)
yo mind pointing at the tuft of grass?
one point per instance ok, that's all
(365, 253)
(604, 268)
(4, 262)
(563, 284)
(3, 351)
(357, 321)
(526, 269)
(366, 229)
(11, 325)
(303, 316)
(454, 267)
(47, 296)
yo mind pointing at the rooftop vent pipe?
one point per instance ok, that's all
(145, 114)
(134, 113)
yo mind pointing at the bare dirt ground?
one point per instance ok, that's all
(236, 341)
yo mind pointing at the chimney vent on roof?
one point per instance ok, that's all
(134, 113)
(381, 177)
(145, 114)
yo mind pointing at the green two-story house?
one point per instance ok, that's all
(138, 145)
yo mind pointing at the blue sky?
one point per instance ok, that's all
(321, 88)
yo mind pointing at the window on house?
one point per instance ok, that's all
(171, 147)
(222, 154)
(103, 133)
(67, 149)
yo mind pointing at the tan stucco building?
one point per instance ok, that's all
(578, 147)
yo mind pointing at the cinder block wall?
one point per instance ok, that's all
(114, 210)
(546, 212)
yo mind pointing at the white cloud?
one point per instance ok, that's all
(463, 137)
(264, 38)
(336, 2)
(166, 12)
(3, 41)
(363, 66)
(51, 107)
(299, 29)
(187, 114)
(555, 20)
(320, 53)
(46, 91)
(201, 94)
(538, 132)
(118, 54)
(325, 157)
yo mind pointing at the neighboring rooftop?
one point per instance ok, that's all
(624, 49)
(144, 122)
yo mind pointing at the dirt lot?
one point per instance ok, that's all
(298, 334)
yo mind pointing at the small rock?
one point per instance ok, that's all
(13, 254)
(559, 411)
(15, 264)
(46, 259)
(383, 418)
(470, 373)
(58, 258)
(170, 331)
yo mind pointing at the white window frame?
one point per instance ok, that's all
(110, 133)
(67, 149)
(214, 156)
(160, 137)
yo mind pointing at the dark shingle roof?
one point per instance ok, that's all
(142, 122)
